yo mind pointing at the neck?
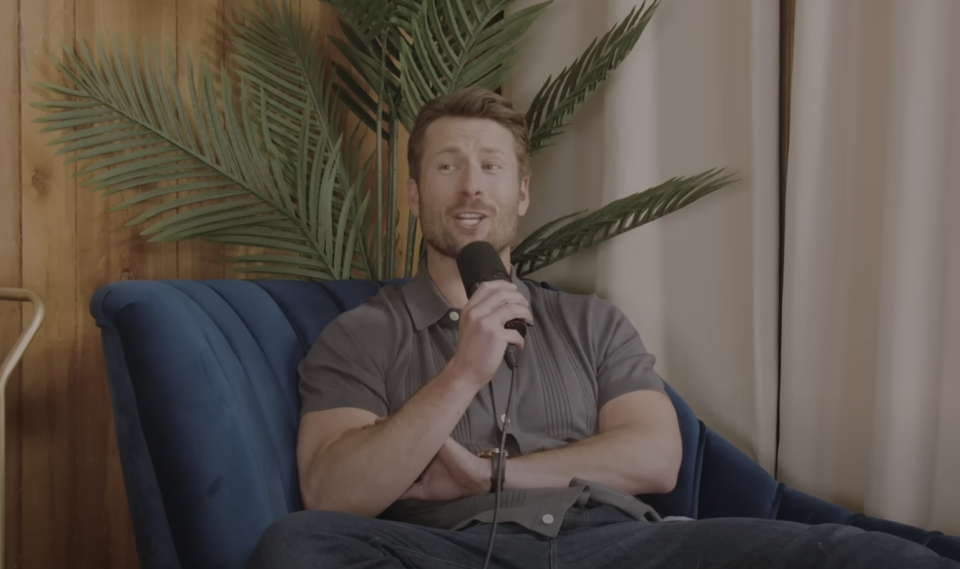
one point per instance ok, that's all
(445, 274)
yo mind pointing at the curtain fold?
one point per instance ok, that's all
(871, 307)
(700, 90)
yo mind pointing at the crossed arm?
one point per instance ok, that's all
(637, 449)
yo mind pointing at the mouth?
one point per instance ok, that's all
(469, 220)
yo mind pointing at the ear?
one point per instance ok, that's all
(524, 201)
(413, 197)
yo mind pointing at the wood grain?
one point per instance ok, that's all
(200, 34)
(66, 504)
(49, 254)
(10, 312)
(108, 251)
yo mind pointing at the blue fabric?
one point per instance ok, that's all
(203, 385)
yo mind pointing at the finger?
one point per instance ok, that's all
(488, 289)
(508, 312)
(449, 446)
(490, 304)
(513, 337)
(498, 320)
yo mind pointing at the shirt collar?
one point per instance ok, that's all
(427, 305)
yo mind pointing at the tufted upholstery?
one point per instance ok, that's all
(203, 384)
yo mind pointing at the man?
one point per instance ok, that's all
(404, 399)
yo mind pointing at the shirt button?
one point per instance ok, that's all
(454, 316)
(503, 419)
(547, 519)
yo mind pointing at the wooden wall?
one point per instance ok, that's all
(66, 502)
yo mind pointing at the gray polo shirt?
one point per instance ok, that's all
(580, 352)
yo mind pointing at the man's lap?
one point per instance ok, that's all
(596, 538)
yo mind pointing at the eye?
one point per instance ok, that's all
(491, 166)
(446, 167)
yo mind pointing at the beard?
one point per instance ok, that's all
(440, 236)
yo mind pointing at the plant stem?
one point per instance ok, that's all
(392, 196)
(411, 244)
(379, 252)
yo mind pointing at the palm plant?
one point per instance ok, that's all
(266, 158)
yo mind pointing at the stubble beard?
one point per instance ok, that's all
(441, 239)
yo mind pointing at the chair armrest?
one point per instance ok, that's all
(733, 485)
(797, 506)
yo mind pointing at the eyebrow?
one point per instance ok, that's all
(483, 150)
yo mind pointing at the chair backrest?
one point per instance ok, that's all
(203, 384)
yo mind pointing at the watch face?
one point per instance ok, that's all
(492, 451)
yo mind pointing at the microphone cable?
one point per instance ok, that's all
(511, 363)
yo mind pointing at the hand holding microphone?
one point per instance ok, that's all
(493, 322)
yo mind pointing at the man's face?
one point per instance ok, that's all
(470, 188)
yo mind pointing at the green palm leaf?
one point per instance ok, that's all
(560, 98)
(456, 44)
(280, 57)
(372, 30)
(613, 219)
(228, 157)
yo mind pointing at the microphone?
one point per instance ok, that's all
(479, 262)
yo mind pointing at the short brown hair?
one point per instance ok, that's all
(474, 103)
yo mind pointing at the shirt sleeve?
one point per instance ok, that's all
(339, 372)
(623, 363)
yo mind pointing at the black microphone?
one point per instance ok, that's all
(479, 262)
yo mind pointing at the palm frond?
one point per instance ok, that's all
(370, 18)
(615, 218)
(372, 30)
(223, 155)
(279, 56)
(560, 98)
(457, 44)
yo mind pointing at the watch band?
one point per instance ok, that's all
(495, 458)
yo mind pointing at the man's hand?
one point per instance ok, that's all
(454, 473)
(482, 337)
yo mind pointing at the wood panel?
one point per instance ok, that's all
(66, 502)
(10, 317)
(49, 265)
(108, 251)
(200, 32)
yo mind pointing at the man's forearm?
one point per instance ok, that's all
(367, 469)
(637, 463)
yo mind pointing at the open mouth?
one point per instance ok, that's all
(469, 220)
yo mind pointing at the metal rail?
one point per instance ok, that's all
(6, 370)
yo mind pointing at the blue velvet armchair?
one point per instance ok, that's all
(203, 385)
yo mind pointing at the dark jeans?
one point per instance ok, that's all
(595, 538)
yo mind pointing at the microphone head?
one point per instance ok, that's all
(478, 262)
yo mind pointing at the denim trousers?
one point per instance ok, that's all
(595, 538)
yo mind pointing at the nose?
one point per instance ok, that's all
(470, 181)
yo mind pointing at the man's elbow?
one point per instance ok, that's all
(666, 479)
(660, 475)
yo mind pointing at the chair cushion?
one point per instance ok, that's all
(203, 380)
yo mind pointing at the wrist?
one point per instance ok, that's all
(481, 477)
(496, 468)
(464, 375)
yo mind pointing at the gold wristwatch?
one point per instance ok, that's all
(494, 455)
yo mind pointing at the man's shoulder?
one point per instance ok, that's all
(382, 312)
(572, 304)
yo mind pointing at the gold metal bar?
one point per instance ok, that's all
(6, 370)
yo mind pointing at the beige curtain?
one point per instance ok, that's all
(871, 323)
(700, 90)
